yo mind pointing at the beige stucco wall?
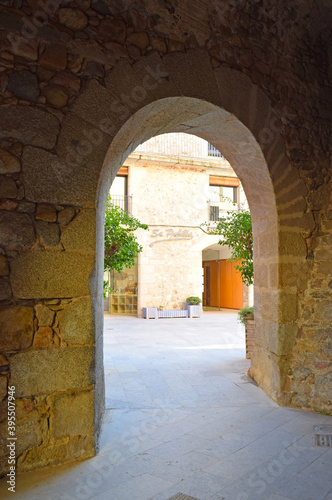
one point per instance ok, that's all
(172, 197)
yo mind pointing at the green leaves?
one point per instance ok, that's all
(236, 230)
(121, 246)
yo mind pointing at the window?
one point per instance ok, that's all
(224, 192)
(119, 186)
(119, 191)
(227, 194)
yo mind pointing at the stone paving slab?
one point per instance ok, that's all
(183, 417)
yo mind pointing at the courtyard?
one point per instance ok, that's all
(182, 416)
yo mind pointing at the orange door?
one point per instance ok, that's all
(214, 283)
(211, 283)
(222, 285)
(231, 287)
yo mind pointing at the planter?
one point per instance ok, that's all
(250, 334)
(194, 311)
(150, 313)
(173, 313)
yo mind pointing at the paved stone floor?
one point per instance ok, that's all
(183, 417)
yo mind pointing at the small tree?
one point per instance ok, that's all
(236, 229)
(121, 245)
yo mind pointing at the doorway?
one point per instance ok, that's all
(223, 287)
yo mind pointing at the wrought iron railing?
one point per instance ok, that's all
(212, 151)
(123, 201)
(179, 144)
(218, 210)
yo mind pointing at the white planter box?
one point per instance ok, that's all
(173, 313)
(150, 313)
(194, 311)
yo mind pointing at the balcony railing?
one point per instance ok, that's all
(181, 145)
(212, 151)
(123, 201)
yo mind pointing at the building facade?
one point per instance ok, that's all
(175, 183)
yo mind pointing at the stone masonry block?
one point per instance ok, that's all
(59, 451)
(29, 125)
(193, 74)
(45, 315)
(82, 143)
(97, 106)
(9, 164)
(52, 370)
(264, 370)
(293, 192)
(44, 338)
(287, 306)
(29, 432)
(66, 215)
(50, 274)
(54, 57)
(127, 86)
(291, 243)
(178, 66)
(45, 212)
(277, 338)
(267, 244)
(269, 305)
(76, 322)
(16, 228)
(294, 274)
(48, 233)
(245, 100)
(50, 179)
(8, 188)
(80, 233)
(3, 387)
(65, 410)
(16, 328)
(5, 289)
(323, 385)
(302, 222)
(324, 310)
(4, 269)
(154, 76)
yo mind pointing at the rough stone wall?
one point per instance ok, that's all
(78, 77)
(46, 329)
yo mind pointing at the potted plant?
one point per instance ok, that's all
(193, 306)
(246, 317)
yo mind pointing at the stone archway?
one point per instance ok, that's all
(228, 134)
(53, 247)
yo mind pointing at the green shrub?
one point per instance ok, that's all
(193, 301)
(243, 313)
(236, 230)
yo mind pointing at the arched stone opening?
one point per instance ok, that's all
(239, 146)
(72, 168)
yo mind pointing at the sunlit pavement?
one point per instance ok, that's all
(183, 417)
